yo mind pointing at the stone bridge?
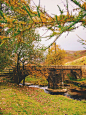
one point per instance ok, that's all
(56, 74)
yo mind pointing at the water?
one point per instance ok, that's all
(75, 97)
(37, 86)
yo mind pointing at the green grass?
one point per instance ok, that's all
(73, 79)
(36, 80)
(76, 82)
(19, 100)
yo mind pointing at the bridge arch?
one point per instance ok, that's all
(56, 74)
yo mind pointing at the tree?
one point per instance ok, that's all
(25, 54)
(55, 55)
(22, 45)
(18, 41)
(5, 49)
(40, 18)
(25, 16)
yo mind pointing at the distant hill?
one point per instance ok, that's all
(72, 56)
(79, 61)
(70, 52)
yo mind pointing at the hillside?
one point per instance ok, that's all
(79, 61)
(75, 57)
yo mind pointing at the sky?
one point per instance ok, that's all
(67, 41)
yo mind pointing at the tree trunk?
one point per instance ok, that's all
(24, 75)
(0, 23)
(24, 81)
(18, 68)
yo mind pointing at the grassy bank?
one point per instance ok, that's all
(18, 100)
(81, 83)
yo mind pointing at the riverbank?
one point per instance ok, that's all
(75, 89)
(18, 100)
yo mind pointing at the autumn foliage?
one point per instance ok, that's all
(31, 70)
(23, 17)
(55, 55)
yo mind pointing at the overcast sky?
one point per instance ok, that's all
(66, 41)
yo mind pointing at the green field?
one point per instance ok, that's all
(19, 100)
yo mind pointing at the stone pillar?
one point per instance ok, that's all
(54, 79)
(83, 71)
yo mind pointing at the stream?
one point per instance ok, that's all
(71, 93)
